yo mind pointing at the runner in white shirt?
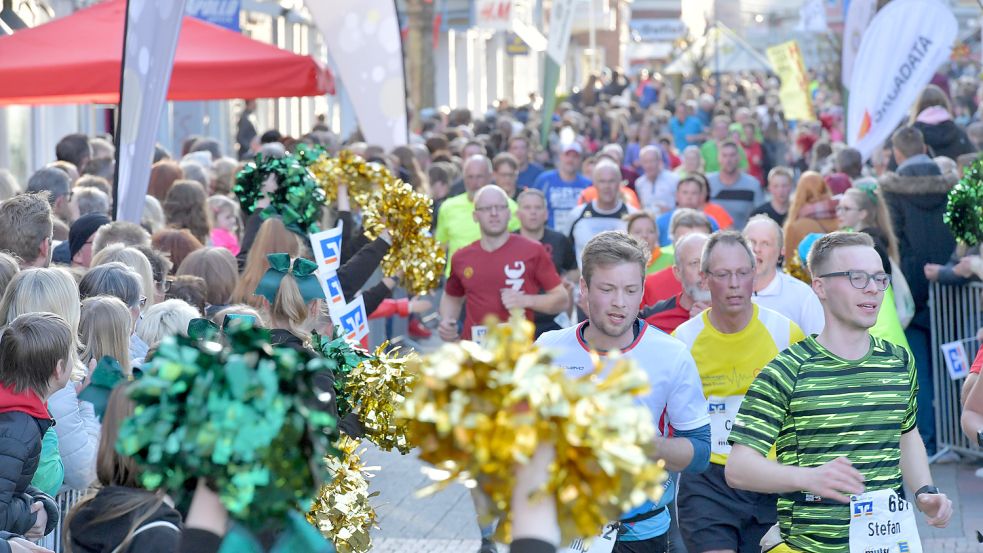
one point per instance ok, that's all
(773, 288)
(612, 281)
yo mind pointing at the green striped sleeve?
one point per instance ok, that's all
(909, 422)
(765, 406)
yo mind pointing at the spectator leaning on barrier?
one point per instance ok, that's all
(916, 196)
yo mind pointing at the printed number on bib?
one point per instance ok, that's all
(882, 522)
(603, 543)
(723, 410)
(478, 334)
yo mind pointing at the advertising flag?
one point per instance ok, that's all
(905, 44)
(786, 59)
(858, 17)
(561, 21)
(149, 43)
(367, 49)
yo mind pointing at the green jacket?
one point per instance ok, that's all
(51, 471)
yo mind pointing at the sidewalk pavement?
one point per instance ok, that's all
(445, 522)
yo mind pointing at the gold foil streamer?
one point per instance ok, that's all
(358, 175)
(475, 412)
(396, 207)
(376, 388)
(342, 510)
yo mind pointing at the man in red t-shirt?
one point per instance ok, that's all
(671, 312)
(663, 284)
(497, 273)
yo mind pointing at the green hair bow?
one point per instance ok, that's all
(303, 270)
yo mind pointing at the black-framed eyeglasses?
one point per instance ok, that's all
(860, 279)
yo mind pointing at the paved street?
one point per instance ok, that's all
(445, 522)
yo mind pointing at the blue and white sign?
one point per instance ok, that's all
(327, 248)
(955, 359)
(224, 13)
(331, 285)
(351, 318)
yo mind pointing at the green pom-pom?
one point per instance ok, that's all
(964, 209)
(244, 416)
(298, 197)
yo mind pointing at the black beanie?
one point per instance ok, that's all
(84, 227)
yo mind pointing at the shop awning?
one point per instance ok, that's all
(76, 60)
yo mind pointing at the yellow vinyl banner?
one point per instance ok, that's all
(786, 60)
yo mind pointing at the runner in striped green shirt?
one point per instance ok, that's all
(840, 409)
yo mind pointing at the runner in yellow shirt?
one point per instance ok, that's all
(731, 342)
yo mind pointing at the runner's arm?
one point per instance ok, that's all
(688, 451)
(552, 302)
(450, 309)
(747, 469)
(914, 460)
(937, 507)
(972, 418)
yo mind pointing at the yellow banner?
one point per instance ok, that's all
(786, 60)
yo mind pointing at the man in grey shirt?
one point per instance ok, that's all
(735, 191)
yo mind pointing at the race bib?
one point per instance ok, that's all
(603, 543)
(882, 522)
(723, 411)
(478, 334)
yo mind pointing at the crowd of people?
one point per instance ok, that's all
(771, 284)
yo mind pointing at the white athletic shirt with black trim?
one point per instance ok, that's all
(675, 399)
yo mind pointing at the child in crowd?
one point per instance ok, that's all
(35, 362)
(225, 223)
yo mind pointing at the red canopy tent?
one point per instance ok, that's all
(76, 60)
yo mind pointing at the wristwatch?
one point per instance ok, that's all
(979, 437)
(928, 488)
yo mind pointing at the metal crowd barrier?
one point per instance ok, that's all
(956, 315)
(66, 500)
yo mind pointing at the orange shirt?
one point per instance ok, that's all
(627, 194)
(719, 214)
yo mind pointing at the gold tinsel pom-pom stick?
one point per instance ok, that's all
(342, 510)
(360, 176)
(376, 388)
(407, 215)
(476, 413)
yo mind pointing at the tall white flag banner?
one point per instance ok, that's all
(561, 22)
(904, 45)
(812, 17)
(364, 42)
(858, 17)
(149, 43)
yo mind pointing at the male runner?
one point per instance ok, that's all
(613, 269)
(730, 343)
(840, 408)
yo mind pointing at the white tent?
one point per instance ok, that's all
(721, 51)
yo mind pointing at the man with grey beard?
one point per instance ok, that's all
(669, 313)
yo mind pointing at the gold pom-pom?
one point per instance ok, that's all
(342, 510)
(477, 412)
(348, 169)
(376, 388)
(407, 215)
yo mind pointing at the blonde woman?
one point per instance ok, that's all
(136, 261)
(272, 237)
(53, 290)
(105, 330)
(167, 318)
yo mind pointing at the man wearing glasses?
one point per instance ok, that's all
(498, 272)
(841, 408)
(731, 342)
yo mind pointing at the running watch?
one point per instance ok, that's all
(929, 489)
